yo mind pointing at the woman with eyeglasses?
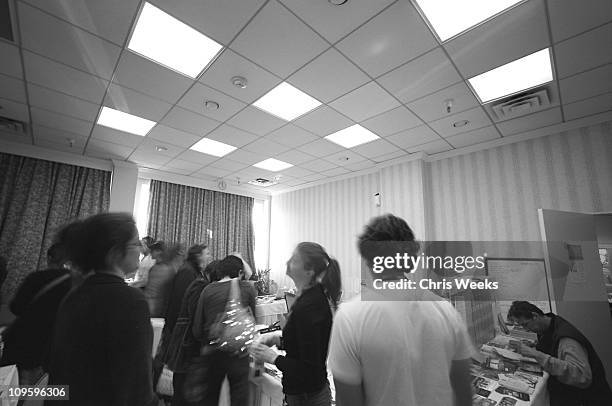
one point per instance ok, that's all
(306, 334)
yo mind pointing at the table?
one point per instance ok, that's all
(268, 313)
(539, 396)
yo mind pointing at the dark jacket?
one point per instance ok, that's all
(183, 278)
(158, 287)
(102, 345)
(27, 340)
(598, 393)
(306, 340)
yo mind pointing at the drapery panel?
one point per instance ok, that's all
(37, 197)
(189, 215)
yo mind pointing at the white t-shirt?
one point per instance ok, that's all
(400, 351)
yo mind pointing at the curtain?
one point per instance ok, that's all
(189, 215)
(37, 197)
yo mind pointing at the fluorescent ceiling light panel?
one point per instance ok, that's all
(286, 102)
(212, 147)
(172, 43)
(273, 165)
(352, 136)
(449, 18)
(527, 72)
(125, 122)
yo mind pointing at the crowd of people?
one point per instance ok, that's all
(86, 322)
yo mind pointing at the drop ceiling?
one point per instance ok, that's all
(375, 63)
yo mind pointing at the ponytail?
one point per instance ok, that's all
(326, 270)
(332, 282)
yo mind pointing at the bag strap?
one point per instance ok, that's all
(198, 318)
(234, 291)
(48, 287)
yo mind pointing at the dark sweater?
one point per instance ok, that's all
(102, 345)
(183, 278)
(306, 340)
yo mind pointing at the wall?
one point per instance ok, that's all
(603, 226)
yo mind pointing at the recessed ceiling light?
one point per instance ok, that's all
(124, 122)
(212, 147)
(352, 136)
(286, 102)
(211, 105)
(239, 81)
(525, 73)
(337, 2)
(172, 43)
(460, 123)
(449, 18)
(273, 165)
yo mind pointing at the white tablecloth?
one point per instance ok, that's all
(268, 313)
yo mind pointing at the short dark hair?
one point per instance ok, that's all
(157, 246)
(212, 270)
(97, 236)
(230, 266)
(523, 309)
(148, 241)
(61, 251)
(194, 252)
(385, 235)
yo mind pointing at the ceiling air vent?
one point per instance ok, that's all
(522, 104)
(261, 182)
(10, 125)
(6, 26)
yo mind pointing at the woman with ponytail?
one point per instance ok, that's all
(306, 335)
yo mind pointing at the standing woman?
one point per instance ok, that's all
(103, 336)
(306, 335)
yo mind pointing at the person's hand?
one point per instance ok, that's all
(270, 340)
(528, 351)
(262, 352)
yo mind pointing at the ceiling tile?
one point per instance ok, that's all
(148, 77)
(334, 22)
(293, 182)
(14, 110)
(393, 37)
(185, 120)
(335, 172)
(104, 149)
(344, 158)
(511, 35)
(195, 98)
(116, 137)
(476, 118)
(229, 165)
(214, 172)
(60, 103)
(184, 166)
(178, 171)
(321, 148)
(433, 107)
(365, 102)
(59, 137)
(570, 17)
(246, 157)
(266, 147)
(150, 146)
(291, 136)
(376, 148)
(588, 84)
(218, 19)
(432, 148)
(392, 121)
(584, 52)
(138, 104)
(359, 166)
(296, 172)
(63, 42)
(232, 136)
(10, 61)
(60, 122)
(329, 76)
(425, 75)
(172, 136)
(389, 157)
(294, 157)
(230, 64)
(583, 108)
(473, 137)
(323, 121)
(14, 137)
(13, 89)
(278, 41)
(62, 78)
(318, 165)
(148, 159)
(414, 136)
(76, 147)
(110, 19)
(251, 173)
(256, 121)
(313, 177)
(531, 122)
(197, 157)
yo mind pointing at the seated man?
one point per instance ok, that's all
(577, 376)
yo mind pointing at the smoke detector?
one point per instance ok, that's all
(211, 105)
(240, 82)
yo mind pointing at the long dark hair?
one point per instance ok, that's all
(316, 258)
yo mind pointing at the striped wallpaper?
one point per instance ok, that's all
(486, 195)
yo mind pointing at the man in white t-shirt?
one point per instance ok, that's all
(390, 352)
